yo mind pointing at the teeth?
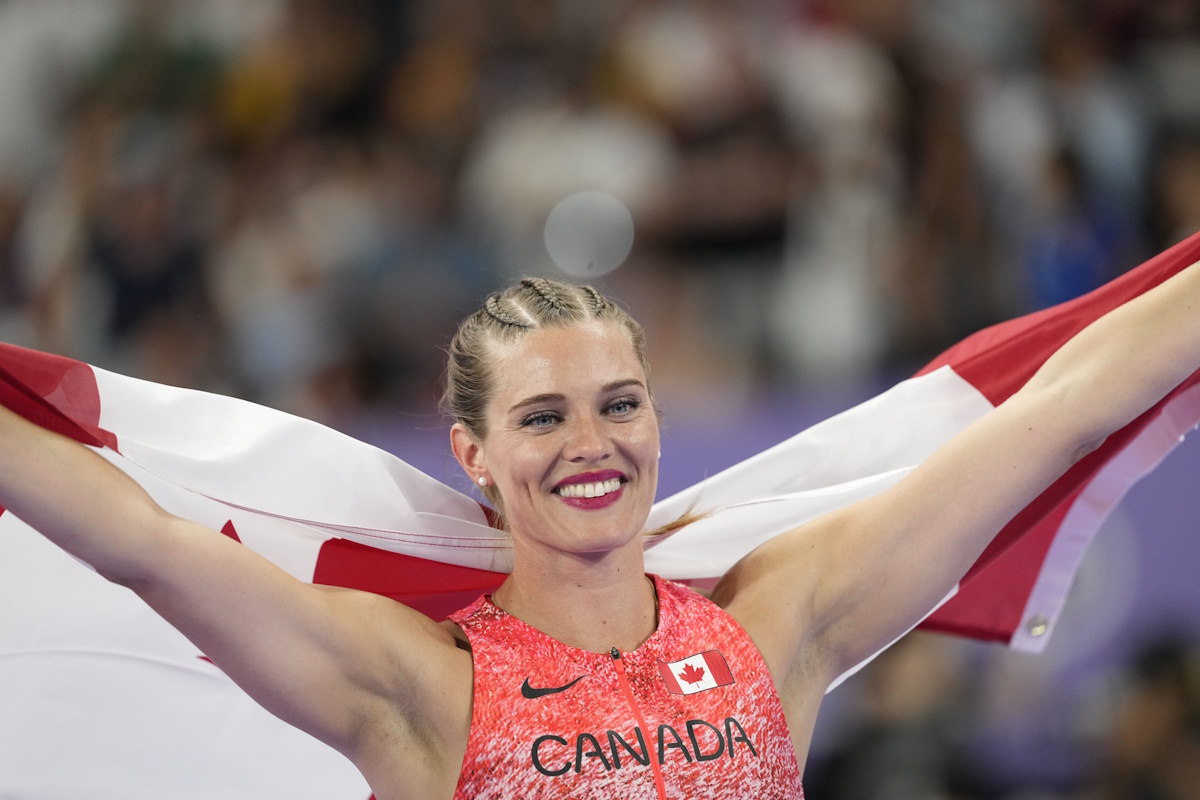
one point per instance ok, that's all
(597, 489)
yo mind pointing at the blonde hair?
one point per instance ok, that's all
(532, 304)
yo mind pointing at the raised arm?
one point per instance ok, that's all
(350, 668)
(823, 597)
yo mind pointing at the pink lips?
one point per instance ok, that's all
(592, 503)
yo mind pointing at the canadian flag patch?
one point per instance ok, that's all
(697, 673)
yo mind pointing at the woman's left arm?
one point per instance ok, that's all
(833, 592)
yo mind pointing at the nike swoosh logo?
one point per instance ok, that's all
(530, 693)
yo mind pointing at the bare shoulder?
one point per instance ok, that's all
(426, 663)
(413, 742)
(767, 593)
(770, 593)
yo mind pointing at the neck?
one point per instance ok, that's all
(594, 604)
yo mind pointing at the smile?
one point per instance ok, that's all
(594, 502)
(594, 489)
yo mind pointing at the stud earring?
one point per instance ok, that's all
(483, 480)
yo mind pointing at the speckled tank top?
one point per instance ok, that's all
(691, 713)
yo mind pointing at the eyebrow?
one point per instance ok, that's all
(551, 397)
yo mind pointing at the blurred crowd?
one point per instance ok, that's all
(295, 201)
(932, 720)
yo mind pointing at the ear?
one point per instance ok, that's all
(468, 451)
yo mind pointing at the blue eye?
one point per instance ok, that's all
(542, 419)
(624, 406)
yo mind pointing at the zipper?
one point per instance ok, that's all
(619, 663)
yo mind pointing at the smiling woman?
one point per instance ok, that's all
(555, 417)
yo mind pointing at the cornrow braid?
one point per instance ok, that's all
(549, 292)
(598, 301)
(497, 312)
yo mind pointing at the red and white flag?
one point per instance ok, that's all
(99, 698)
(696, 673)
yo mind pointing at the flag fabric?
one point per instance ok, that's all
(99, 698)
(696, 673)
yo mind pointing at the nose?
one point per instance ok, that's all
(588, 442)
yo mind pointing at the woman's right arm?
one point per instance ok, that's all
(343, 665)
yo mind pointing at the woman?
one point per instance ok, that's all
(580, 674)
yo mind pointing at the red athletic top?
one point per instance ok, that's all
(691, 713)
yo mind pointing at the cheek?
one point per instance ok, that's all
(642, 444)
(524, 461)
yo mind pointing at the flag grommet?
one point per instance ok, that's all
(1038, 625)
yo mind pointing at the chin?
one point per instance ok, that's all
(596, 537)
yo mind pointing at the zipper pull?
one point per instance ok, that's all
(615, 653)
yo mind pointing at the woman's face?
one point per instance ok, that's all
(572, 443)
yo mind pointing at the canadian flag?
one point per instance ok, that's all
(99, 698)
(706, 670)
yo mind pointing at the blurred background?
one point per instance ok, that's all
(295, 201)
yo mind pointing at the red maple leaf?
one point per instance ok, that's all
(691, 674)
